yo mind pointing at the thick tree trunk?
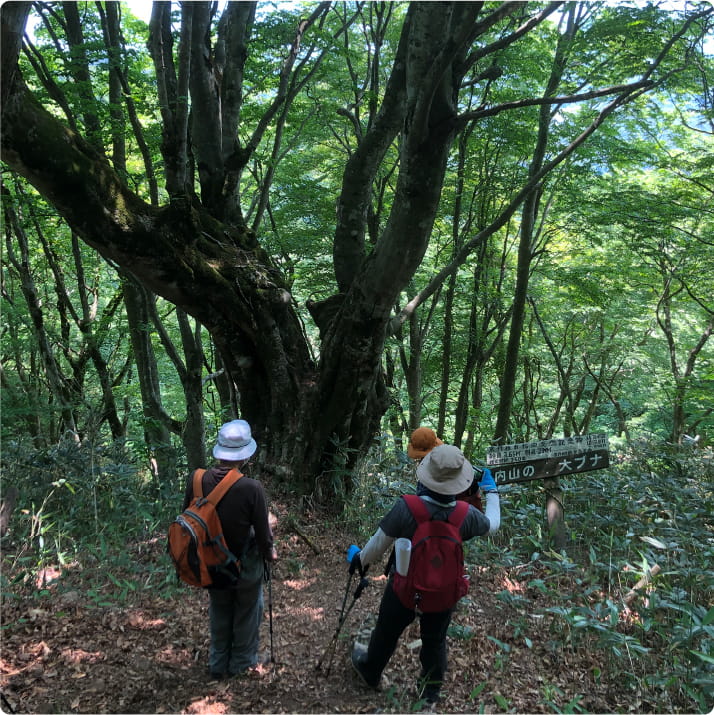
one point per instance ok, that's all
(223, 278)
(13, 18)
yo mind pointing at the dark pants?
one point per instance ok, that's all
(235, 616)
(392, 620)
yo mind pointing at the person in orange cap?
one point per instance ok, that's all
(421, 442)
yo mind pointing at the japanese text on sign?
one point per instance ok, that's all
(554, 467)
(548, 458)
(546, 449)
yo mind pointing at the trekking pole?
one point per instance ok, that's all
(330, 650)
(269, 578)
(344, 598)
(331, 644)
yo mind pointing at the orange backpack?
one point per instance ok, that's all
(196, 543)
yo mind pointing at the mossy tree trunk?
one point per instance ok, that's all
(196, 252)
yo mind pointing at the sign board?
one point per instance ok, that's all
(548, 458)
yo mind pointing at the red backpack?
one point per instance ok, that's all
(435, 580)
(196, 543)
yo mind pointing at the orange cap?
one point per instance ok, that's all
(422, 441)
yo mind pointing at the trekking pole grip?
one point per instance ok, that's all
(363, 583)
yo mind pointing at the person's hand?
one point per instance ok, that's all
(356, 564)
(273, 555)
(487, 484)
(353, 558)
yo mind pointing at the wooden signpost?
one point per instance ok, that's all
(548, 458)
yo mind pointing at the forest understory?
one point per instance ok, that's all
(138, 643)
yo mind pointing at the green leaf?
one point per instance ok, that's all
(709, 618)
(501, 701)
(477, 691)
(506, 647)
(654, 542)
(703, 656)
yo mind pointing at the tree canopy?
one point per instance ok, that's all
(336, 219)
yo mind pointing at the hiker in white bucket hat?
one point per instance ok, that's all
(236, 599)
(235, 442)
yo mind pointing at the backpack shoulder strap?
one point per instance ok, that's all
(223, 486)
(459, 513)
(198, 483)
(417, 508)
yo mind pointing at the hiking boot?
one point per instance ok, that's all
(262, 661)
(359, 660)
(431, 697)
(429, 693)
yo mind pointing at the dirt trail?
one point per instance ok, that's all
(149, 656)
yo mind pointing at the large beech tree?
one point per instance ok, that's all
(310, 415)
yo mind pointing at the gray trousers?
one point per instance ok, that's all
(235, 616)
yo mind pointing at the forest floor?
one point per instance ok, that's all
(137, 646)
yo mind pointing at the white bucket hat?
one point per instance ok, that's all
(445, 470)
(235, 442)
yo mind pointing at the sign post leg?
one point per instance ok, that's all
(555, 512)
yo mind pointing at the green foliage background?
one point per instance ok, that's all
(627, 221)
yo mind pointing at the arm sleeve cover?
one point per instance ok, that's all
(375, 547)
(493, 511)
